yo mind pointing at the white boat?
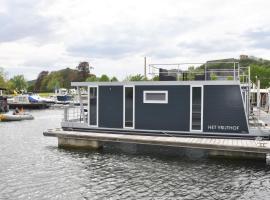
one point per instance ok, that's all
(16, 117)
(28, 102)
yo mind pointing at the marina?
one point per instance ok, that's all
(151, 100)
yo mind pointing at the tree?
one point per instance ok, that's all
(137, 77)
(83, 69)
(262, 73)
(92, 79)
(155, 78)
(17, 83)
(104, 78)
(114, 79)
(38, 83)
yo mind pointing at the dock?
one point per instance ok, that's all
(245, 148)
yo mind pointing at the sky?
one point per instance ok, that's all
(115, 36)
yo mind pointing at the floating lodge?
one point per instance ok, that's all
(195, 105)
(207, 109)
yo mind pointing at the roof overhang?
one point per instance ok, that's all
(217, 82)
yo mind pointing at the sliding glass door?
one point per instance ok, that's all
(128, 107)
(196, 107)
(93, 106)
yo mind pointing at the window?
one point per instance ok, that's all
(155, 96)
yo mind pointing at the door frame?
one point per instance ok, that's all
(191, 102)
(97, 116)
(124, 105)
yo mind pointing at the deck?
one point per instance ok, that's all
(227, 146)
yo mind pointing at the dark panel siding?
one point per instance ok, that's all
(111, 106)
(173, 116)
(223, 109)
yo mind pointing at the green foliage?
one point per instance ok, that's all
(38, 83)
(213, 76)
(155, 78)
(104, 78)
(30, 88)
(92, 79)
(58, 79)
(262, 73)
(229, 78)
(192, 71)
(17, 83)
(137, 77)
(114, 79)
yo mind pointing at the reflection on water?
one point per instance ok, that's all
(32, 167)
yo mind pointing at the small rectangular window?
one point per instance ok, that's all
(155, 96)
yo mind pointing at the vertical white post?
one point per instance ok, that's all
(234, 71)
(205, 71)
(258, 94)
(249, 87)
(145, 76)
(238, 75)
(81, 104)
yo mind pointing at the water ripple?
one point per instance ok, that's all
(32, 167)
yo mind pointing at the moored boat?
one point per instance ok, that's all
(16, 117)
(214, 103)
(27, 101)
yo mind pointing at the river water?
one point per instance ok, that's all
(32, 167)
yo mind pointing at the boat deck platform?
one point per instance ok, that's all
(218, 146)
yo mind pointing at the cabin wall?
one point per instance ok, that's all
(110, 106)
(223, 109)
(173, 116)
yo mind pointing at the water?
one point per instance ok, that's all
(32, 167)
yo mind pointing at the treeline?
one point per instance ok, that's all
(48, 81)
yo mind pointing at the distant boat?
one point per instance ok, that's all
(28, 102)
(62, 96)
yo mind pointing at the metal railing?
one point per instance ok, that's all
(201, 71)
(73, 114)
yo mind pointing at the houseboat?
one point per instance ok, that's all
(212, 103)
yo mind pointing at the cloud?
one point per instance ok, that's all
(210, 46)
(259, 38)
(21, 19)
(125, 39)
